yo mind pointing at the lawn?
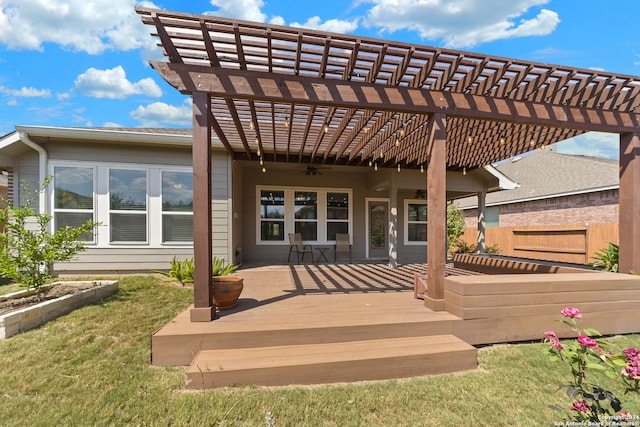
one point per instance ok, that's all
(91, 367)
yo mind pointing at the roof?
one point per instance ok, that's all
(302, 95)
(547, 173)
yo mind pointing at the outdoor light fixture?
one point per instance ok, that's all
(258, 153)
(398, 167)
(264, 169)
(257, 140)
(381, 154)
(470, 140)
(326, 127)
(421, 168)
(502, 140)
(375, 167)
(402, 131)
(251, 125)
(397, 141)
(261, 161)
(464, 171)
(370, 163)
(286, 122)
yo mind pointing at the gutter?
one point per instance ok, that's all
(43, 162)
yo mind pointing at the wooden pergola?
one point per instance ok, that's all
(280, 94)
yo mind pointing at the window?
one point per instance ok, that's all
(143, 205)
(177, 206)
(317, 214)
(306, 214)
(415, 222)
(492, 217)
(128, 205)
(337, 214)
(73, 197)
(272, 215)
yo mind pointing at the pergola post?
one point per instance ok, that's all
(629, 203)
(482, 201)
(204, 310)
(436, 211)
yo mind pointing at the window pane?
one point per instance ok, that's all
(177, 192)
(177, 228)
(417, 212)
(272, 230)
(74, 219)
(337, 206)
(309, 230)
(334, 228)
(272, 204)
(128, 227)
(306, 205)
(73, 187)
(417, 232)
(128, 189)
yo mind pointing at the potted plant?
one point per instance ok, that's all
(225, 288)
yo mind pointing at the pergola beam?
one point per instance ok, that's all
(253, 85)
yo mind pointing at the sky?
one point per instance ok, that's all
(84, 63)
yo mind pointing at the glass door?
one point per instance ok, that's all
(378, 232)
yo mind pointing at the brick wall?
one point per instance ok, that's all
(590, 208)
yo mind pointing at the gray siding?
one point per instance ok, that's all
(135, 258)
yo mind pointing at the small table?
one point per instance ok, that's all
(322, 252)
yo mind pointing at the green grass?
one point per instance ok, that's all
(91, 367)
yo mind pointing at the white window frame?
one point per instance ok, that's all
(178, 213)
(406, 221)
(289, 213)
(93, 210)
(101, 205)
(131, 212)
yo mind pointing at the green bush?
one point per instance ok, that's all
(607, 259)
(27, 249)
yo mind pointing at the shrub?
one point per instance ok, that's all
(27, 249)
(607, 258)
(586, 356)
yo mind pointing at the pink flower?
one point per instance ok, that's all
(586, 341)
(631, 353)
(579, 406)
(553, 340)
(571, 312)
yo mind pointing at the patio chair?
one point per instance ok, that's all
(342, 245)
(297, 246)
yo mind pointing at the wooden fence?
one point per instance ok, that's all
(576, 243)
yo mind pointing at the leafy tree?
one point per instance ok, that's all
(455, 225)
(27, 247)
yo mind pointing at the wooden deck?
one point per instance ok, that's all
(309, 324)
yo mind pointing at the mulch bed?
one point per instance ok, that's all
(57, 291)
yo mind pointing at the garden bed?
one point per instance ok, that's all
(22, 310)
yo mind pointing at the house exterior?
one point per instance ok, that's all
(137, 183)
(553, 189)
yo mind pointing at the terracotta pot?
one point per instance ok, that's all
(225, 291)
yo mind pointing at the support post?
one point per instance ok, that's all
(204, 310)
(436, 211)
(629, 203)
(482, 200)
(393, 223)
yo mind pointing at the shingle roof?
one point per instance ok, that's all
(545, 174)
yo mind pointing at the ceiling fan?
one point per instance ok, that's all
(314, 170)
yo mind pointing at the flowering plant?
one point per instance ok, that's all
(584, 355)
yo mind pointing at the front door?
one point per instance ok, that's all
(378, 229)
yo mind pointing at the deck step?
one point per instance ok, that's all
(331, 362)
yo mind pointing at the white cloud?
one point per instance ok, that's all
(26, 92)
(113, 84)
(594, 144)
(462, 23)
(249, 10)
(111, 125)
(159, 114)
(332, 25)
(91, 26)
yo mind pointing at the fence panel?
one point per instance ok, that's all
(576, 243)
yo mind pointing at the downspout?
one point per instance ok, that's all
(43, 158)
